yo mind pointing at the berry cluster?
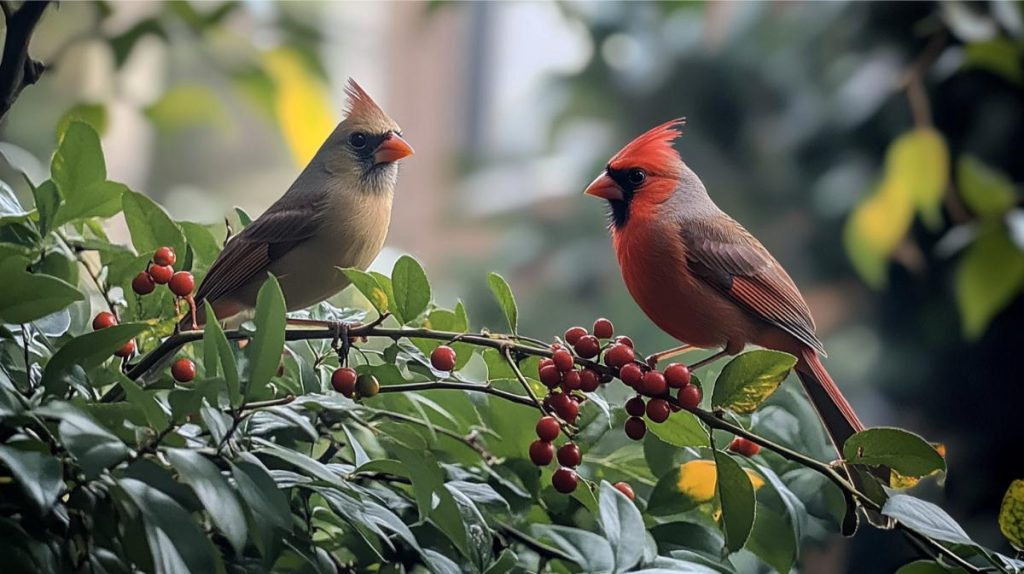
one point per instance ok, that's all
(105, 319)
(353, 385)
(542, 452)
(160, 271)
(656, 386)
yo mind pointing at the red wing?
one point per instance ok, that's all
(250, 253)
(726, 256)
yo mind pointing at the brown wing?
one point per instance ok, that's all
(249, 254)
(725, 255)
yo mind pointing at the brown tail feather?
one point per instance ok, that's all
(833, 408)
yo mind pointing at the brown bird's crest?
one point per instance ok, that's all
(361, 108)
(653, 147)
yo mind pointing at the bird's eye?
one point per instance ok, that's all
(636, 176)
(357, 140)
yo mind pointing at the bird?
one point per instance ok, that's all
(335, 215)
(701, 277)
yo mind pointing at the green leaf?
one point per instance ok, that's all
(682, 429)
(926, 518)
(40, 475)
(89, 350)
(926, 567)
(95, 115)
(773, 539)
(749, 379)
(101, 199)
(29, 296)
(622, 525)
(150, 225)
(146, 401)
(900, 450)
(267, 504)
(176, 542)
(503, 293)
(1011, 514)
(591, 552)
(988, 278)
(370, 288)
(736, 495)
(268, 342)
(214, 492)
(217, 351)
(94, 447)
(667, 498)
(48, 199)
(187, 105)
(202, 243)
(78, 162)
(411, 288)
(986, 191)
(1000, 56)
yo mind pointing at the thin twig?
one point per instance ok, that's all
(451, 385)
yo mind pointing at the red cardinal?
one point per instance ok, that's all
(702, 277)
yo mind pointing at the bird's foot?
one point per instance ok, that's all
(653, 360)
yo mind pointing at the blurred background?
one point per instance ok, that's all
(875, 148)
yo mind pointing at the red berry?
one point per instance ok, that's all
(183, 370)
(744, 447)
(587, 347)
(103, 319)
(344, 381)
(654, 384)
(689, 396)
(182, 284)
(569, 455)
(126, 350)
(658, 410)
(635, 407)
(544, 362)
(573, 334)
(626, 489)
(565, 406)
(618, 356)
(443, 358)
(541, 452)
(550, 376)
(548, 429)
(603, 329)
(589, 381)
(164, 256)
(624, 340)
(677, 375)
(565, 480)
(635, 428)
(563, 360)
(571, 381)
(632, 375)
(161, 274)
(143, 284)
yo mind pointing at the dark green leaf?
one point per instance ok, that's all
(986, 191)
(268, 342)
(682, 429)
(623, 527)
(150, 225)
(503, 293)
(48, 199)
(900, 450)
(591, 552)
(100, 199)
(667, 498)
(217, 351)
(266, 502)
(204, 246)
(78, 162)
(411, 288)
(773, 539)
(29, 296)
(749, 379)
(926, 518)
(213, 491)
(90, 350)
(39, 475)
(146, 401)
(926, 567)
(92, 445)
(243, 217)
(736, 495)
(370, 288)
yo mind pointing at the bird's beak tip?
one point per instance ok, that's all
(605, 188)
(392, 149)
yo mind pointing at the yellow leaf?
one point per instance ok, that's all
(301, 103)
(698, 479)
(918, 161)
(1011, 515)
(876, 227)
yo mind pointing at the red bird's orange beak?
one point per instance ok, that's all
(393, 148)
(604, 187)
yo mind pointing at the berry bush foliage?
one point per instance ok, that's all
(402, 438)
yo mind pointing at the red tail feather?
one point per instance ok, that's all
(833, 408)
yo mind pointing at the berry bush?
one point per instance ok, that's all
(412, 439)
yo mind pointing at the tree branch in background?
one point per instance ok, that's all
(17, 69)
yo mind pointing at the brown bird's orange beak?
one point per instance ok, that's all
(604, 187)
(393, 148)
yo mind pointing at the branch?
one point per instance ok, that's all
(17, 69)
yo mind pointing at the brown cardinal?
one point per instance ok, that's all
(335, 215)
(703, 278)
